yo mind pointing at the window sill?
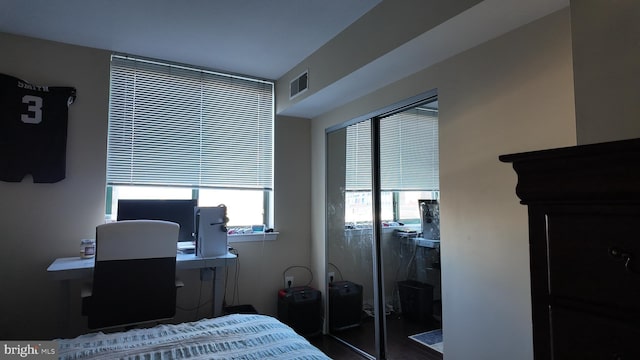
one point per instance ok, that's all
(253, 237)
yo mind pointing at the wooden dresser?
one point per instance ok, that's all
(584, 242)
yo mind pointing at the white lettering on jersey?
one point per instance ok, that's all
(32, 87)
(34, 115)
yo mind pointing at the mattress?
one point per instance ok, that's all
(237, 336)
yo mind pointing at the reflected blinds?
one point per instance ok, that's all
(175, 126)
(409, 156)
(358, 167)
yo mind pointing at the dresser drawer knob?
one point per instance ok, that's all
(624, 256)
(627, 265)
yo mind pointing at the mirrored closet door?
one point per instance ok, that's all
(350, 238)
(383, 243)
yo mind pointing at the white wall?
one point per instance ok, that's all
(606, 52)
(517, 95)
(512, 94)
(41, 222)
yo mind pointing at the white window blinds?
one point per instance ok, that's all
(409, 156)
(170, 125)
(358, 167)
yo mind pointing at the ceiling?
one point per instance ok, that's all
(260, 38)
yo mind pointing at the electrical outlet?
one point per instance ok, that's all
(288, 282)
(331, 276)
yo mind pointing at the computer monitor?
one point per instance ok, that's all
(178, 211)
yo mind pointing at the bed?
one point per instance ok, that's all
(237, 336)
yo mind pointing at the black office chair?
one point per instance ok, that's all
(134, 278)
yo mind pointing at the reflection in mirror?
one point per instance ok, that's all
(409, 172)
(407, 226)
(350, 237)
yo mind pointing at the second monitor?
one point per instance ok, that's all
(178, 211)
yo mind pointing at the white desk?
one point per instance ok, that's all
(70, 268)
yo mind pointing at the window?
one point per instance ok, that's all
(179, 132)
(409, 163)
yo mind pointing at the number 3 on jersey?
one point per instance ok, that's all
(34, 115)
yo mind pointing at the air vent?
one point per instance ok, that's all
(299, 85)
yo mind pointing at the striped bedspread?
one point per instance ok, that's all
(238, 336)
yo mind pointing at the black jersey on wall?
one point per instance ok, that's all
(33, 130)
